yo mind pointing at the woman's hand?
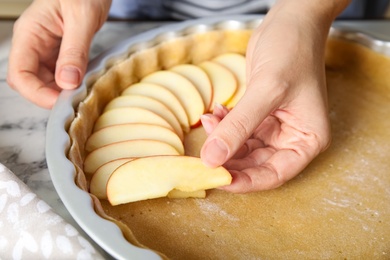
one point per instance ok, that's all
(50, 47)
(281, 123)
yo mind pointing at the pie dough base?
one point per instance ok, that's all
(337, 208)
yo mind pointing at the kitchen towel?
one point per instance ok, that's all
(30, 229)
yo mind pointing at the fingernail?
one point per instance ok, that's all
(206, 123)
(70, 75)
(215, 153)
(220, 110)
(218, 107)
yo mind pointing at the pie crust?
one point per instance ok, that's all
(337, 208)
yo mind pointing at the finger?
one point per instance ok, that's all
(33, 89)
(281, 167)
(251, 146)
(238, 125)
(23, 73)
(210, 121)
(73, 56)
(249, 160)
(220, 110)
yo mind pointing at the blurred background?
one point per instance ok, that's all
(358, 9)
(10, 9)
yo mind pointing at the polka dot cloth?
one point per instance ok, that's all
(29, 229)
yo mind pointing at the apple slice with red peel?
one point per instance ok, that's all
(126, 115)
(100, 178)
(148, 103)
(223, 81)
(164, 96)
(98, 184)
(236, 63)
(125, 132)
(199, 78)
(126, 149)
(183, 89)
(155, 176)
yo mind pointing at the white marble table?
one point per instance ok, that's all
(22, 124)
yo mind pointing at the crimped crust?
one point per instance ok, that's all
(338, 207)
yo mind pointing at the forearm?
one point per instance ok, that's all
(318, 11)
(306, 20)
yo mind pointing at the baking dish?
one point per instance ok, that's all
(62, 171)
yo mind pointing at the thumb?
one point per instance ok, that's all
(237, 126)
(73, 55)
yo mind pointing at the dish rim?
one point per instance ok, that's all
(61, 169)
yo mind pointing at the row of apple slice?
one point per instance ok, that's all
(147, 124)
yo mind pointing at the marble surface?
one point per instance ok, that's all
(22, 124)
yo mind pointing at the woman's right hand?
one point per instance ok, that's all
(50, 47)
(281, 122)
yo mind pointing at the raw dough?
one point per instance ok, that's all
(337, 208)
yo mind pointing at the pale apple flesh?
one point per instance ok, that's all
(127, 115)
(184, 90)
(163, 95)
(100, 178)
(178, 194)
(98, 183)
(200, 80)
(194, 141)
(133, 131)
(155, 176)
(150, 104)
(147, 142)
(223, 81)
(126, 149)
(236, 63)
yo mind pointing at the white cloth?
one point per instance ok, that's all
(30, 229)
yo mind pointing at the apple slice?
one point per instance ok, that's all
(183, 89)
(200, 80)
(125, 132)
(194, 141)
(127, 115)
(164, 96)
(100, 178)
(155, 176)
(178, 194)
(223, 81)
(98, 184)
(126, 149)
(236, 63)
(147, 103)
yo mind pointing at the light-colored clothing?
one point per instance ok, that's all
(187, 9)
